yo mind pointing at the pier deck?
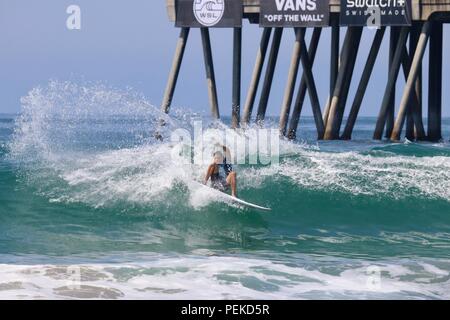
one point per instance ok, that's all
(421, 9)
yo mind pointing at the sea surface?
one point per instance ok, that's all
(93, 206)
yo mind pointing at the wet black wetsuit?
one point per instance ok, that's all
(227, 167)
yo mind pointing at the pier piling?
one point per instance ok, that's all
(334, 63)
(411, 25)
(312, 90)
(237, 67)
(340, 94)
(175, 71)
(390, 116)
(390, 86)
(348, 79)
(267, 85)
(414, 124)
(331, 109)
(435, 83)
(410, 84)
(417, 130)
(370, 64)
(292, 77)
(256, 77)
(210, 75)
(301, 93)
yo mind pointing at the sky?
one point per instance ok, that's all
(131, 44)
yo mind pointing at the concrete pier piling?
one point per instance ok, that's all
(340, 94)
(334, 63)
(292, 77)
(175, 71)
(435, 82)
(411, 82)
(210, 75)
(267, 85)
(390, 86)
(390, 116)
(256, 77)
(237, 68)
(370, 63)
(301, 93)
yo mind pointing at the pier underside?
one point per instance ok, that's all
(407, 46)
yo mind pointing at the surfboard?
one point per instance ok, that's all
(228, 197)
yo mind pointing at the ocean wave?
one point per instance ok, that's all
(364, 174)
(63, 117)
(96, 145)
(147, 174)
(229, 277)
(413, 150)
(85, 158)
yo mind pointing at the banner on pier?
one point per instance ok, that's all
(376, 13)
(294, 13)
(209, 13)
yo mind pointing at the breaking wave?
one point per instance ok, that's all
(87, 184)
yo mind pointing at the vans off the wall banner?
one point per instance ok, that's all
(294, 13)
(208, 13)
(375, 12)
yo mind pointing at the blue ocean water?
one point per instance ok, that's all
(86, 190)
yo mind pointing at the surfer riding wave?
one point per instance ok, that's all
(219, 181)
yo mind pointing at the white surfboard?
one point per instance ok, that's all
(233, 199)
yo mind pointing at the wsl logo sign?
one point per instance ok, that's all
(294, 13)
(376, 13)
(209, 12)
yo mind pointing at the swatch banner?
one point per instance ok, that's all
(209, 13)
(376, 13)
(294, 13)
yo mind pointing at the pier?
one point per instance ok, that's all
(409, 29)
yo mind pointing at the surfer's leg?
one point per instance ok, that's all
(209, 173)
(231, 180)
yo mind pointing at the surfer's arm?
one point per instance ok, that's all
(209, 173)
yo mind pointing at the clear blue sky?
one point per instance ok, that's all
(130, 44)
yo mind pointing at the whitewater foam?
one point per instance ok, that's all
(213, 277)
(365, 174)
(56, 134)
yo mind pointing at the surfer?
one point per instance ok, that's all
(219, 181)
